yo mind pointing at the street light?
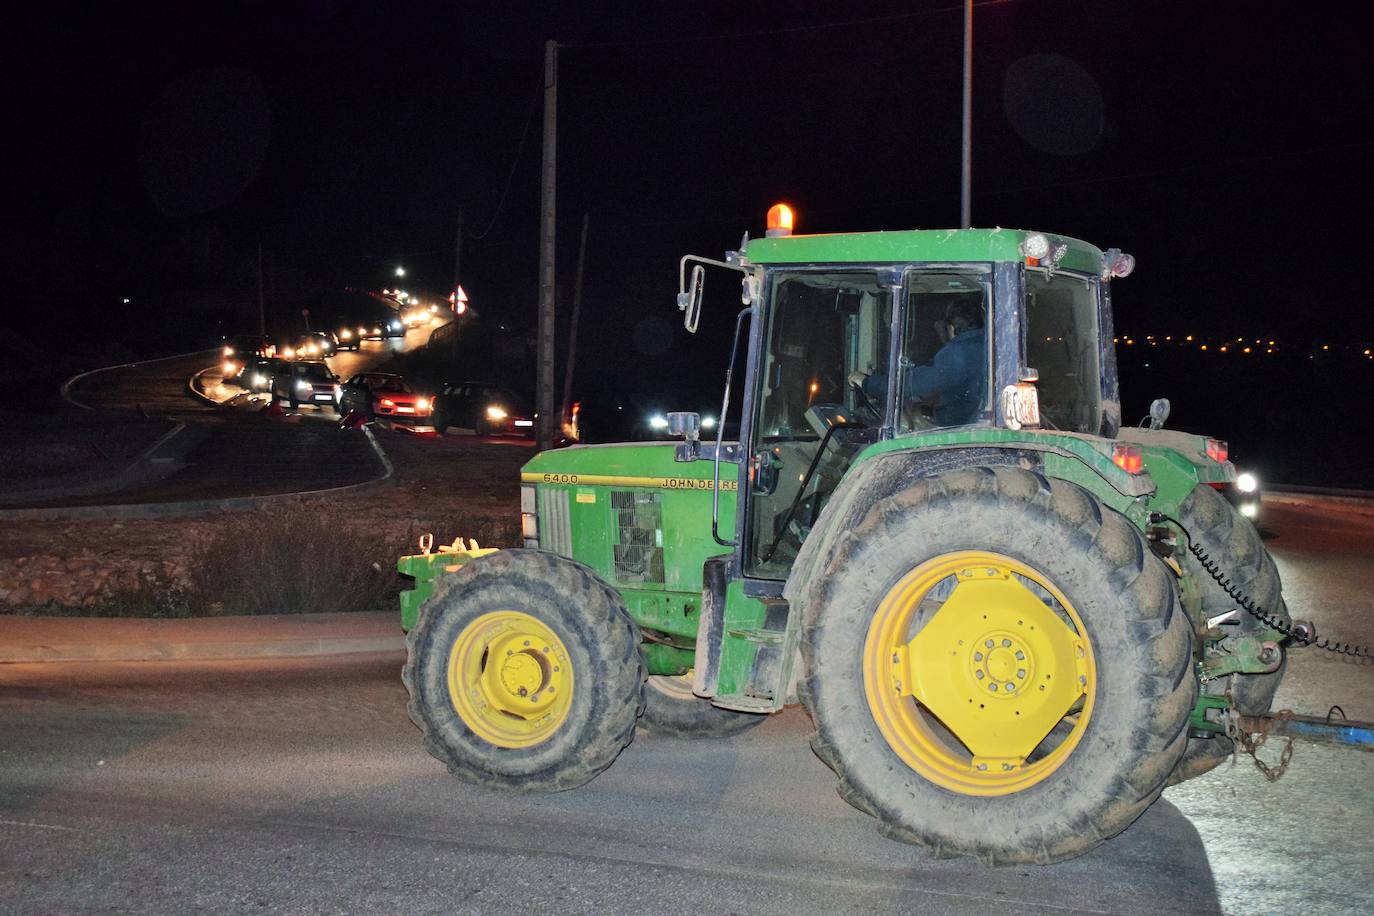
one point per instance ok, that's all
(400, 271)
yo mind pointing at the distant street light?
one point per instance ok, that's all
(400, 271)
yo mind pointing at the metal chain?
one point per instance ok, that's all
(1251, 745)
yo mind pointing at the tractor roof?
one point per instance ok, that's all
(940, 245)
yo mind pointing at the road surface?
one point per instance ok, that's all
(301, 786)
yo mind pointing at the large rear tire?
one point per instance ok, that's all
(997, 578)
(670, 708)
(524, 672)
(1236, 547)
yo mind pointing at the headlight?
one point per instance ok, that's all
(259, 379)
(1249, 510)
(345, 333)
(708, 422)
(228, 351)
(496, 413)
(657, 421)
(395, 325)
(228, 368)
(302, 384)
(361, 332)
(1247, 483)
(422, 404)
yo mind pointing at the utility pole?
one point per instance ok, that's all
(458, 252)
(572, 326)
(543, 382)
(262, 308)
(966, 171)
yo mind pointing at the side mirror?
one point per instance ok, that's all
(689, 299)
(685, 424)
(1159, 412)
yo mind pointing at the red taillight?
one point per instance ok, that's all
(387, 402)
(1216, 449)
(1128, 458)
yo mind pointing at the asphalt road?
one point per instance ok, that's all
(302, 786)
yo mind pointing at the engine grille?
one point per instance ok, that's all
(639, 536)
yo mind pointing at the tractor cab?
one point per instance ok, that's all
(869, 337)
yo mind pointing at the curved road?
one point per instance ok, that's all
(292, 786)
(232, 453)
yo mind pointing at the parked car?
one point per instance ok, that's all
(487, 409)
(382, 395)
(258, 372)
(304, 382)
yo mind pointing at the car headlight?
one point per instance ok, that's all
(496, 413)
(1247, 482)
(1249, 510)
(361, 331)
(302, 384)
(658, 421)
(345, 333)
(422, 404)
(228, 368)
(708, 422)
(228, 351)
(259, 379)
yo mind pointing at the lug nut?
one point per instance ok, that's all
(978, 674)
(978, 656)
(1021, 673)
(1020, 656)
(989, 643)
(1006, 643)
(1010, 686)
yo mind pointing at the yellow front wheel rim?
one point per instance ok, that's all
(979, 673)
(510, 679)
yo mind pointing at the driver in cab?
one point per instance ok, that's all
(954, 382)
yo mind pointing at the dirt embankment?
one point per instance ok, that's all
(190, 566)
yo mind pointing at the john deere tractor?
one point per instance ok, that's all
(934, 532)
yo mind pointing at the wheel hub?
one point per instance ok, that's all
(510, 679)
(998, 663)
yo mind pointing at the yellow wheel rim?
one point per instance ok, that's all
(979, 673)
(510, 679)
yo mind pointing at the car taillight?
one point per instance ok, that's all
(1128, 458)
(1216, 449)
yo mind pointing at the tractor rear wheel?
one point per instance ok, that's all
(1235, 546)
(524, 672)
(997, 666)
(670, 708)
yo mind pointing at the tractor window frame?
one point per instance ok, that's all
(988, 282)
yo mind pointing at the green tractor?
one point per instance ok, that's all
(933, 531)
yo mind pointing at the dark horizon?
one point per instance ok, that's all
(163, 144)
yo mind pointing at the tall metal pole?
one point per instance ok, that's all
(966, 172)
(262, 308)
(572, 325)
(458, 253)
(543, 383)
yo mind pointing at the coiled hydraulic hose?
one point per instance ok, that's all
(1212, 569)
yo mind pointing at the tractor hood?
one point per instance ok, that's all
(629, 464)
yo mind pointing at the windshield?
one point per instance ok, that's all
(1062, 346)
(826, 335)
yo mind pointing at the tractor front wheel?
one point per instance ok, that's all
(670, 708)
(524, 672)
(997, 666)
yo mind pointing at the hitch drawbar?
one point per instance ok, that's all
(1327, 729)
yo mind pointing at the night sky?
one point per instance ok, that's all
(154, 146)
